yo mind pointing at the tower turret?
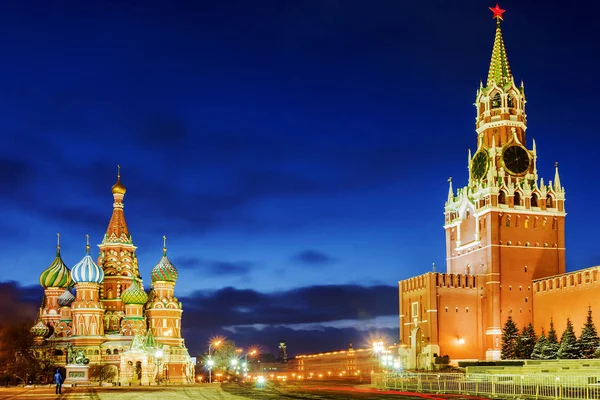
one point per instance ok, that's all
(163, 309)
(135, 321)
(505, 226)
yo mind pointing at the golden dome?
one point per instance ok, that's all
(118, 187)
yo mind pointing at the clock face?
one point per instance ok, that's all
(516, 160)
(479, 164)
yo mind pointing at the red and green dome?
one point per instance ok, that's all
(164, 270)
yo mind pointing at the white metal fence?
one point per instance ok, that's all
(541, 386)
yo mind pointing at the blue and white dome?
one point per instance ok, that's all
(86, 270)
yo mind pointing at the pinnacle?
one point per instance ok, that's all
(499, 72)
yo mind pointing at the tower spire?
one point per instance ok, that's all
(58, 244)
(557, 186)
(499, 72)
(164, 245)
(117, 227)
(450, 191)
(87, 243)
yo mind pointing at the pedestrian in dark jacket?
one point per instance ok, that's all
(58, 379)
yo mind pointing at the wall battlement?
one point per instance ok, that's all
(436, 279)
(569, 280)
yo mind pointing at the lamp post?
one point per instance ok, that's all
(210, 361)
(158, 354)
(378, 348)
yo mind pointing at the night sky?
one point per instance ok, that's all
(295, 152)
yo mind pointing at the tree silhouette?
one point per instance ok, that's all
(537, 353)
(510, 337)
(526, 342)
(550, 351)
(589, 341)
(569, 347)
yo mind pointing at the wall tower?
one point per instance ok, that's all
(506, 226)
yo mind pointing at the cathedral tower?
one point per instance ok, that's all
(87, 310)
(506, 226)
(163, 309)
(118, 260)
(55, 279)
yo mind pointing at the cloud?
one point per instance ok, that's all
(313, 304)
(313, 257)
(214, 267)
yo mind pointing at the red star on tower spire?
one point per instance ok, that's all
(497, 12)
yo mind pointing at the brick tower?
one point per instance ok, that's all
(506, 226)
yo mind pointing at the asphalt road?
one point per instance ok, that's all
(226, 391)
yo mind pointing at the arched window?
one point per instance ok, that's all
(501, 197)
(511, 101)
(108, 352)
(517, 199)
(534, 200)
(496, 101)
(115, 351)
(549, 202)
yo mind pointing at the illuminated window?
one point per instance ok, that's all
(415, 309)
(496, 101)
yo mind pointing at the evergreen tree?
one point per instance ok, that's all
(537, 353)
(550, 350)
(510, 338)
(569, 347)
(589, 341)
(526, 343)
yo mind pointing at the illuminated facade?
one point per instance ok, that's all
(505, 242)
(111, 320)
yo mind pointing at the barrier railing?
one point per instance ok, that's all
(541, 386)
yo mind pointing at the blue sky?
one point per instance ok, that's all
(282, 146)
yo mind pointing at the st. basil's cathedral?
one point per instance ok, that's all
(110, 319)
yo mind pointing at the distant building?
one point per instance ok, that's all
(282, 354)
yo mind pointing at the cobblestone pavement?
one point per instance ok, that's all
(228, 391)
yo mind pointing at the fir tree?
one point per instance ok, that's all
(526, 343)
(537, 353)
(569, 347)
(589, 341)
(550, 350)
(510, 337)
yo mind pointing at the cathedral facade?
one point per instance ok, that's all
(109, 319)
(505, 242)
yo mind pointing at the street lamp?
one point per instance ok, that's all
(210, 361)
(158, 354)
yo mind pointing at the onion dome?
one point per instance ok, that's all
(164, 270)
(66, 298)
(118, 187)
(57, 274)
(134, 294)
(86, 270)
(40, 329)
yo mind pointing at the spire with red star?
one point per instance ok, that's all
(499, 72)
(498, 12)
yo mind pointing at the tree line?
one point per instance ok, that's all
(526, 344)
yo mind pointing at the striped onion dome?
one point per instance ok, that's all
(40, 329)
(66, 298)
(86, 270)
(134, 294)
(57, 274)
(164, 270)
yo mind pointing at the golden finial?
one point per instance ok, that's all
(556, 164)
(118, 187)
(58, 243)
(87, 243)
(164, 245)
(450, 179)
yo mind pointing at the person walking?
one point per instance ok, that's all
(58, 379)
